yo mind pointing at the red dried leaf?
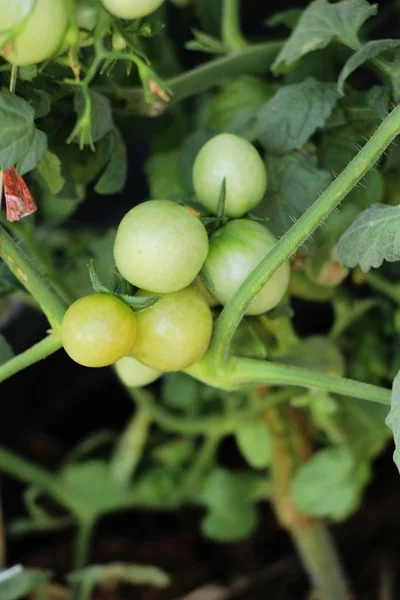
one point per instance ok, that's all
(19, 201)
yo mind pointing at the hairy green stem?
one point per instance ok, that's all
(233, 312)
(26, 272)
(27, 472)
(231, 34)
(39, 351)
(251, 60)
(248, 371)
(130, 446)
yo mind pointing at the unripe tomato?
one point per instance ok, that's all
(235, 251)
(42, 33)
(234, 158)
(160, 246)
(133, 373)
(98, 330)
(131, 9)
(173, 333)
(200, 287)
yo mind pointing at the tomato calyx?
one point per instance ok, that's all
(124, 291)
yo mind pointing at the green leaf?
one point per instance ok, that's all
(156, 488)
(175, 454)
(164, 177)
(318, 353)
(16, 583)
(205, 43)
(40, 102)
(330, 484)
(113, 179)
(288, 17)
(90, 482)
(393, 418)
(231, 515)
(6, 352)
(101, 113)
(321, 23)
(372, 238)
(294, 183)
(293, 115)
(233, 109)
(138, 303)
(21, 144)
(123, 572)
(366, 52)
(254, 443)
(49, 169)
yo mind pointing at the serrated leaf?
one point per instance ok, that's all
(21, 144)
(320, 23)
(231, 515)
(330, 484)
(363, 426)
(113, 178)
(6, 352)
(49, 168)
(101, 113)
(289, 119)
(233, 109)
(294, 183)
(372, 238)
(366, 52)
(393, 418)
(254, 443)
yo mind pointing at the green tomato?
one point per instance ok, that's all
(42, 33)
(175, 332)
(235, 250)
(234, 158)
(202, 289)
(131, 9)
(98, 330)
(133, 373)
(160, 246)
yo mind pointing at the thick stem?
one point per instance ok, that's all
(231, 34)
(291, 448)
(23, 269)
(251, 60)
(130, 446)
(29, 473)
(248, 371)
(233, 312)
(39, 351)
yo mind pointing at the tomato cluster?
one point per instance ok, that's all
(161, 247)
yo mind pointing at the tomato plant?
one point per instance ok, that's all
(175, 332)
(212, 209)
(32, 18)
(98, 330)
(160, 246)
(235, 250)
(234, 159)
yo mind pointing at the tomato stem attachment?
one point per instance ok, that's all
(316, 214)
